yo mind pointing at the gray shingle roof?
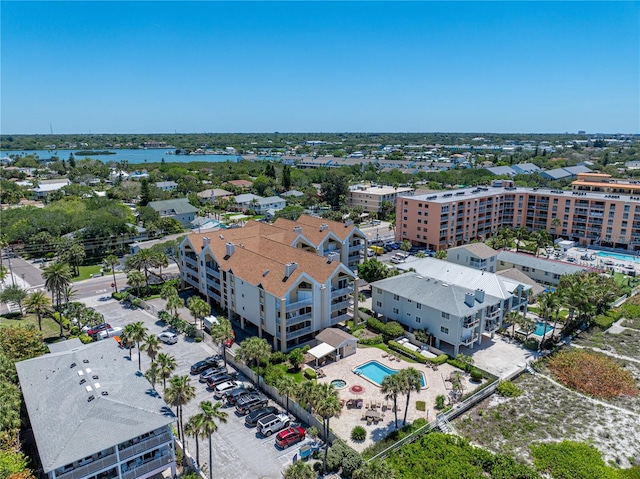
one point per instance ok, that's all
(67, 426)
(480, 250)
(179, 206)
(557, 267)
(502, 170)
(437, 294)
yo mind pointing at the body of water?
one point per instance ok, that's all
(376, 372)
(133, 156)
(542, 328)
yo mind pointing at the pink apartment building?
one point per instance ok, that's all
(589, 214)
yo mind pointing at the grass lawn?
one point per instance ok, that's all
(50, 329)
(87, 271)
(285, 369)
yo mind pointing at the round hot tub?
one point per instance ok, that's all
(339, 383)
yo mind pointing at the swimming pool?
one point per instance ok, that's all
(542, 328)
(618, 256)
(375, 372)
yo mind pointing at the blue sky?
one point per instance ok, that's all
(127, 67)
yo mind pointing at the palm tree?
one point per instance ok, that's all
(179, 393)
(210, 413)
(161, 261)
(375, 469)
(252, 350)
(136, 280)
(174, 302)
(306, 393)
(152, 374)
(152, 346)
(299, 470)
(111, 261)
(198, 308)
(513, 317)
(143, 260)
(193, 428)
(57, 276)
(37, 302)
(391, 386)
(287, 386)
(326, 405)
(167, 364)
(168, 290)
(413, 382)
(440, 254)
(221, 332)
(136, 332)
(69, 294)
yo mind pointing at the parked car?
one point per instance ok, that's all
(219, 378)
(234, 395)
(252, 418)
(290, 436)
(273, 423)
(227, 386)
(200, 366)
(212, 371)
(167, 337)
(96, 329)
(250, 402)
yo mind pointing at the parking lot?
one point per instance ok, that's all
(237, 450)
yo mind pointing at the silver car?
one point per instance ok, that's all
(168, 337)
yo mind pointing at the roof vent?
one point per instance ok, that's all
(333, 257)
(91, 398)
(73, 365)
(221, 237)
(105, 393)
(324, 226)
(205, 242)
(289, 268)
(85, 361)
(297, 229)
(95, 376)
(266, 272)
(83, 380)
(230, 249)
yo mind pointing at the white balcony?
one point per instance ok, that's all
(213, 272)
(295, 305)
(340, 305)
(296, 334)
(90, 468)
(491, 327)
(341, 292)
(471, 323)
(159, 464)
(339, 318)
(355, 249)
(146, 444)
(193, 282)
(469, 340)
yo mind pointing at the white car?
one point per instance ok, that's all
(222, 388)
(168, 337)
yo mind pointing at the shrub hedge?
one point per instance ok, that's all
(408, 352)
(310, 374)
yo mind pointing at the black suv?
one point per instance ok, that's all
(253, 417)
(200, 366)
(219, 378)
(250, 402)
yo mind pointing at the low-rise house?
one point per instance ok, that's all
(475, 255)
(214, 195)
(246, 201)
(179, 209)
(292, 194)
(273, 203)
(47, 186)
(93, 415)
(166, 185)
(243, 184)
(544, 271)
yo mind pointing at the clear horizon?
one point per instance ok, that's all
(332, 67)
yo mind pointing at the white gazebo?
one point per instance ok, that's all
(321, 350)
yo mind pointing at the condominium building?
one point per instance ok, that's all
(94, 416)
(475, 255)
(370, 198)
(285, 282)
(588, 214)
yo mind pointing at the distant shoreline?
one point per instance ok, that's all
(92, 153)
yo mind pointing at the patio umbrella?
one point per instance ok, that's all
(357, 390)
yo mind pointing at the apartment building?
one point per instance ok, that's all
(284, 282)
(585, 215)
(544, 271)
(475, 255)
(451, 313)
(370, 198)
(93, 415)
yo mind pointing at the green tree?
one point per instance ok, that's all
(135, 279)
(145, 192)
(299, 470)
(221, 332)
(111, 261)
(179, 393)
(296, 358)
(18, 343)
(57, 276)
(327, 405)
(174, 303)
(136, 332)
(210, 414)
(334, 189)
(152, 346)
(37, 302)
(198, 308)
(167, 364)
(144, 260)
(375, 469)
(391, 386)
(14, 294)
(405, 245)
(413, 382)
(287, 386)
(286, 177)
(253, 350)
(440, 254)
(372, 270)
(193, 428)
(152, 374)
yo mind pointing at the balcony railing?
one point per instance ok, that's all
(298, 317)
(147, 444)
(297, 333)
(191, 262)
(295, 305)
(340, 317)
(341, 292)
(469, 340)
(89, 469)
(470, 323)
(160, 463)
(491, 327)
(193, 282)
(493, 314)
(213, 272)
(340, 305)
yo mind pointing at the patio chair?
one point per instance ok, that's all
(384, 355)
(369, 421)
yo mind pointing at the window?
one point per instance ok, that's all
(418, 319)
(395, 310)
(419, 306)
(444, 330)
(445, 315)
(379, 291)
(396, 297)
(379, 304)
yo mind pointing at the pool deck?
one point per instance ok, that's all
(349, 418)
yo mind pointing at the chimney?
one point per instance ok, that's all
(231, 248)
(324, 226)
(469, 299)
(289, 268)
(205, 242)
(480, 295)
(297, 229)
(333, 256)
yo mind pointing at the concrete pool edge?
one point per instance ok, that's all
(366, 378)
